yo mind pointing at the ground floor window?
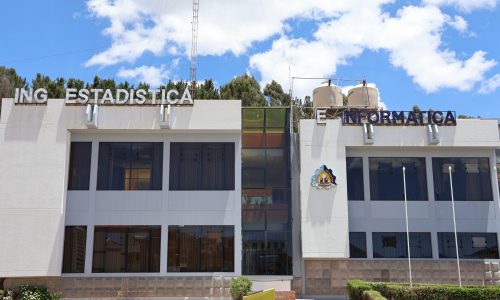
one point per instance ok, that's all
(267, 253)
(471, 245)
(120, 249)
(200, 249)
(75, 240)
(357, 244)
(393, 245)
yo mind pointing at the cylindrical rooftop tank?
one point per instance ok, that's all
(327, 96)
(363, 96)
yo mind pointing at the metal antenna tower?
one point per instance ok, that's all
(194, 46)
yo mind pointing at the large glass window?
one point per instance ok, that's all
(393, 245)
(119, 249)
(471, 178)
(266, 200)
(357, 244)
(130, 166)
(471, 245)
(75, 240)
(79, 166)
(202, 166)
(355, 186)
(200, 249)
(386, 178)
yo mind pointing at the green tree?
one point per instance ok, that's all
(55, 88)
(207, 90)
(74, 83)
(9, 81)
(276, 95)
(245, 88)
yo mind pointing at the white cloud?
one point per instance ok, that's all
(490, 85)
(154, 76)
(464, 5)
(138, 26)
(345, 28)
(412, 38)
(458, 23)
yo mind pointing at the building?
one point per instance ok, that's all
(142, 199)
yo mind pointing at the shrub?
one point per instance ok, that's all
(33, 292)
(402, 291)
(9, 295)
(372, 295)
(240, 287)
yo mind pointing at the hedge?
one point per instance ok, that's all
(402, 291)
(372, 295)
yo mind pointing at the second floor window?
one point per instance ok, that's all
(130, 166)
(201, 166)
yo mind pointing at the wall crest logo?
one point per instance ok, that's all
(323, 178)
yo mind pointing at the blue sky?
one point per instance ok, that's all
(441, 54)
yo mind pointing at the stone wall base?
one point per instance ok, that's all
(136, 287)
(130, 287)
(329, 277)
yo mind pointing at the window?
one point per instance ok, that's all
(357, 244)
(79, 166)
(201, 166)
(471, 179)
(119, 249)
(386, 178)
(75, 240)
(130, 166)
(265, 195)
(355, 186)
(470, 245)
(498, 170)
(393, 245)
(200, 249)
(267, 253)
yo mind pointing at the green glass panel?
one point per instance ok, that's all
(253, 117)
(275, 117)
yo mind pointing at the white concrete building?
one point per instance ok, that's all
(143, 200)
(357, 228)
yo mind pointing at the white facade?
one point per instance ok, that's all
(327, 216)
(35, 205)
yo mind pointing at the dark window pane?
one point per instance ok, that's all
(254, 253)
(253, 178)
(471, 245)
(279, 253)
(202, 166)
(200, 249)
(357, 244)
(386, 178)
(277, 219)
(79, 166)
(498, 170)
(276, 168)
(393, 245)
(75, 240)
(130, 166)
(471, 179)
(120, 249)
(253, 117)
(254, 219)
(355, 186)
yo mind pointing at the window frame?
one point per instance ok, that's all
(424, 196)
(105, 183)
(74, 173)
